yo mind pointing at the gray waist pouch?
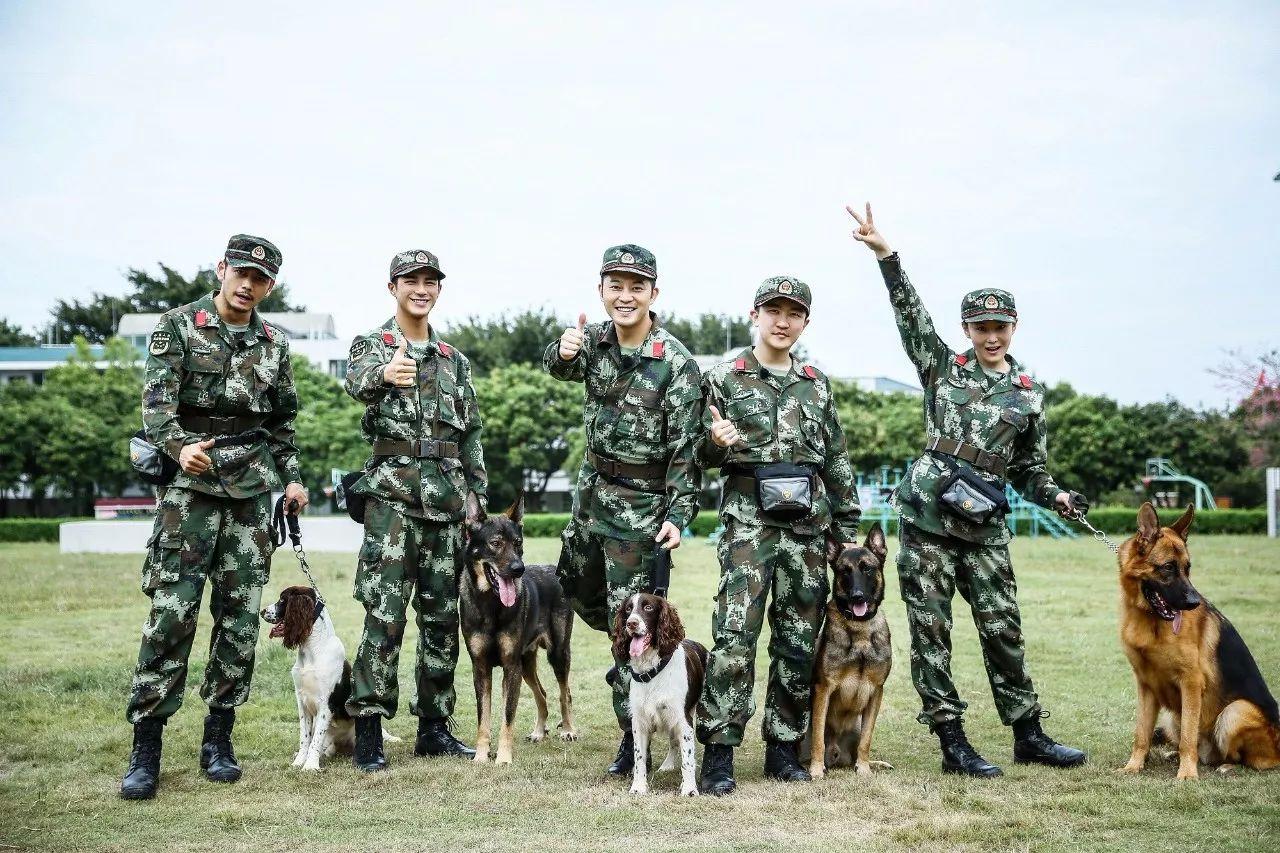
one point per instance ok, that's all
(967, 495)
(784, 491)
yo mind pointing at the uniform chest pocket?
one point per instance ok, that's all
(262, 381)
(452, 408)
(752, 415)
(640, 416)
(811, 417)
(1016, 419)
(203, 377)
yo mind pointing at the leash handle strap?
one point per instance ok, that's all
(282, 521)
(661, 580)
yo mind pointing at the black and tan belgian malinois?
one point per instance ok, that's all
(508, 611)
(1198, 685)
(853, 660)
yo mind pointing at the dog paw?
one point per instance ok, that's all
(536, 736)
(862, 768)
(1225, 768)
(881, 765)
(568, 735)
(817, 771)
(640, 789)
(312, 766)
(1132, 768)
(481, 756)
(299, 759)
(388, 737)
(689, 791)
(1187, 774)
(502, 759)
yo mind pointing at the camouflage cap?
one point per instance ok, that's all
(412, 261)
(988, 303)
(785, 287)
(630, 258)
(245, 250)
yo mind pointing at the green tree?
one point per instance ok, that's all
(527, 416)
(506, 339)
(710, 334)
(328, 427)
(11, 335)
(97, 319)
(880, 429)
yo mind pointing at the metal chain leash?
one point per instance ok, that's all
(295, 537)
(1076, 515)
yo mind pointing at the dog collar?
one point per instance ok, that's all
(649, 675)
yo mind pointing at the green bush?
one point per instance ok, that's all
(31, 529)
(1124, 520)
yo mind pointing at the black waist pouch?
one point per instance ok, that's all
(968, 495)
(784, 491)
(352, 502)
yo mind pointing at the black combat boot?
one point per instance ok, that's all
(780, 762)
(367, 755)
(717, 770)
(958, 756)
(1032, 746)
(217, 758)
(434, 738)
(143, 776)
(626, 759)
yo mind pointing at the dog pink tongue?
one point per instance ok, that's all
(1177, 621)
(506, 591)
(638, 645)
(860, 609)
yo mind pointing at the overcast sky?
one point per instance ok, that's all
(1112, 168)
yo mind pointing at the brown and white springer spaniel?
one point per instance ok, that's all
(667, 672)
(321, 675)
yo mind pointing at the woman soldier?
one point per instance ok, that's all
(984, 422)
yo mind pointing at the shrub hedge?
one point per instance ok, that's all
(1111, 520)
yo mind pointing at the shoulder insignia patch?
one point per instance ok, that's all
(1024, 380)
(445, 349)
(810, 372)
(659, 348)
(388, 339)
(160, 341)
(740, 364)
(360, 348)
(962, 360)
(202, 318)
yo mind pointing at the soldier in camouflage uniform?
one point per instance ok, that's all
(423, 423)
(764, 407)
(984, 413)
(214, 369)
(638, 486)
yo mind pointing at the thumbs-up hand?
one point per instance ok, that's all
(723, 432)
(193, 459)
(571, 340)
(401, 370)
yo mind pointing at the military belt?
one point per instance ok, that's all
(991, 463)
(218, 424)
(427, 448)
(742, 478)
(652, 475)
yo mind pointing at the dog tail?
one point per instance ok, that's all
(1164, 733)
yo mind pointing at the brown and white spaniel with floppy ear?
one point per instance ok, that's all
(321, 675)
(667, 672)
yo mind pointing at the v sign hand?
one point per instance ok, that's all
(866, 233)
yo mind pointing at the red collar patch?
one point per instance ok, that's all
(962, 360)
(658, 349)
(445, 349)
(1024, 380)
(202, 318)
(266, 331)
(740, 364)
(388, 339)
(810, 372)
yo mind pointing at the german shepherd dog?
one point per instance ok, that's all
(1192, 668)
(853, 660)
(508, 611)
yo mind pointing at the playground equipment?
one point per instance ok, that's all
(1160, 472)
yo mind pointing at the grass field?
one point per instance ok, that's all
(69, 628)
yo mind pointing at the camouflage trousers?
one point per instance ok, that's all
(597, 574)
(756, 562)
(199, 536)
(930, 570)
(406, 559)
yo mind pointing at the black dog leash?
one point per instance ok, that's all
(661, 580)
(279, 522)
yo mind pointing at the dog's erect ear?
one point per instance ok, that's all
(515, 512)
(1183, 525)
(875, 542)
(834, 547)
(1148, 524)
(475, 515)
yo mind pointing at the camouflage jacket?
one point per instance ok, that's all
(195, 363)
(442, 406)
(788, 419)
(640, 409)
(1004, 417)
